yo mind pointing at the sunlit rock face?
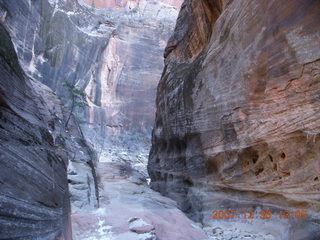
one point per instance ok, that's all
(238, 122)
(122, 89)
(34, 199)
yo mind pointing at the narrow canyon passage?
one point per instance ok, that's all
(159, 119)
(129, 209)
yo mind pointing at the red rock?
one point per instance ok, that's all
(238, 109)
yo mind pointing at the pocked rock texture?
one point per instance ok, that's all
(34, 199)
(238, 122)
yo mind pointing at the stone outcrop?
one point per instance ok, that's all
(34, 199)
(238, 122)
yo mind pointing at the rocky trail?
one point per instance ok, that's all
(129, 209)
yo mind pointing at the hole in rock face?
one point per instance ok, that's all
(287, 174)
(259, 170)
(316, 179)
(271, 158)
(248, 155)
(283, 155)
(255, 159)
(211, 166)
(275, 167)
(188, 182)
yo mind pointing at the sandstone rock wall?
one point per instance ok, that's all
(115, 57)
(123, 87)
(34, 196)
(42, 36)
(238, 120)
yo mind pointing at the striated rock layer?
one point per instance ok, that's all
(238, 122)
(39, 31)
(114, 56)
(111, 57)
(34, 197)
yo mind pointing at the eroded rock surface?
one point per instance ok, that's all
(34, 197)
(44, 54)
(114, 56)
(122, 88)
(238, 121)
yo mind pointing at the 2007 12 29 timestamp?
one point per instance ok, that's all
(263, 214)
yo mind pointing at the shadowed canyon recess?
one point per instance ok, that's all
(159, 119)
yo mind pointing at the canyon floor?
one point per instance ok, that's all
(129, 209)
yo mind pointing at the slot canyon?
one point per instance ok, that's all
(159, 119)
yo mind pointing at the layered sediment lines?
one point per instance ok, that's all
(238, 118)
(114, 57)
(34, 199)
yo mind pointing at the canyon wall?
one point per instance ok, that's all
(39, 32)
(114, 56)
(238, 123)
(104, 65)
(122, 88)
(34, 199)
(77, 86)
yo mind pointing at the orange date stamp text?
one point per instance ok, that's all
(263, 214)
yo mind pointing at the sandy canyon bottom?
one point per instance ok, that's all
(129, 209)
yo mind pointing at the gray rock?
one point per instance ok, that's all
(139, 226)
(34, 200)
(115, 57)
